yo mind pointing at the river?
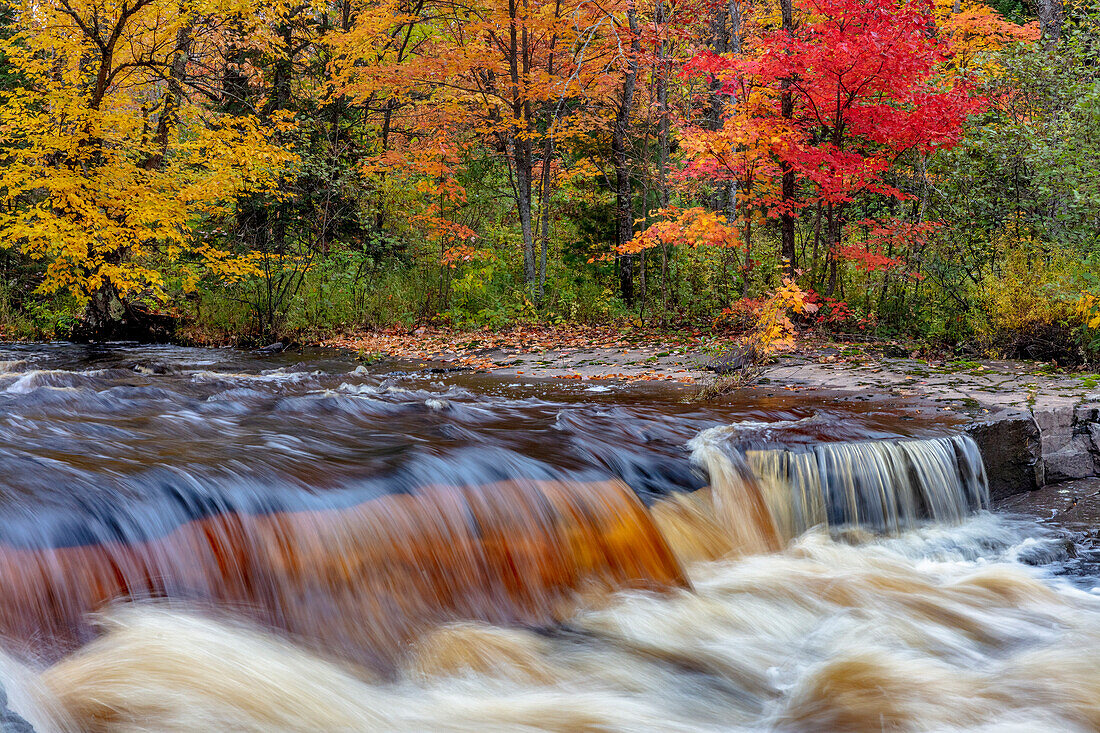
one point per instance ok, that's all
(204, 539)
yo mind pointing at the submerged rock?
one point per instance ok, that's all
(11, 721)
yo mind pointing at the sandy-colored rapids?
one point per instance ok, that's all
(936, 629)
(745, 605)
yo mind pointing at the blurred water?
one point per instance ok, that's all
(181, 432)
(307, 544)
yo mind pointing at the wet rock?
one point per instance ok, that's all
(275, 348)
(1094, 433)
(1041, 553)
(1012, 450)
(1055, 427)
(10, 721)
(1074, 460)
(1086, 413)
(735, 360)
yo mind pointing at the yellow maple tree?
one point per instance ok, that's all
(113, 151)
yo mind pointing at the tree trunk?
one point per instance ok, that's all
(102, 315)
(545, 178)
(172, 98)
(380, 214)
(815, 277)
(236, 93)
(544, 213)
(1051, 15)
(786, 217)
(662, 145)
(624, 209)
(725, 38)
(748, 257)
(733, 12)
(836, 232)
(519, 141)
(107, 318)
(521, 155)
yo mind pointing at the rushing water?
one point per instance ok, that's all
(209, 540)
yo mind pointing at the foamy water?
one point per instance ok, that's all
(192, 545)
(933, 630)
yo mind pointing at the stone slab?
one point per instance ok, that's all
(1011, 448)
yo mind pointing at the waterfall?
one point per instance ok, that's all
(364, 580)
(885, 486)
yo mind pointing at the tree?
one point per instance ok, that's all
(1051, 16)
(786, 110)
(864, 84)
(111, 151)
(977, 33)
(1030, 166)
(492, 78)
(624, 197)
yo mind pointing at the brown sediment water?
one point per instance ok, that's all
(361, 580)
(325, 550)
(822, 636)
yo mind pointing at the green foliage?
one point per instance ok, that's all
(1016, 11)
(41, 318)
(376, 221)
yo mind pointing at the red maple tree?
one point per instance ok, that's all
(866, 81)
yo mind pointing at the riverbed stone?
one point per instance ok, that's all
(1011, 447)
(1073, 461)
(1055, 427)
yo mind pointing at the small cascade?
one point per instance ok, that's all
(758, 500)
(881, 485)
(739, 506)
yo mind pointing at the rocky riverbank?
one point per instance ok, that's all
(596, 353)
(1036, 425)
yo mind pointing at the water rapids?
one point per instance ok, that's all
(206, 540)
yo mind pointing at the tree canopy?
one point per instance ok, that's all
(260, 167)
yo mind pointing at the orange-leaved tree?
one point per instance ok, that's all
(506, 78)
(976, 31)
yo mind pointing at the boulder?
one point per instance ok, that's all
(1012, 450)
(1086, 413)
(1094, 433)
(1055, 427)
(1072, 461)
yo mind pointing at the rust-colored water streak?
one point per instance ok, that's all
(361, 581)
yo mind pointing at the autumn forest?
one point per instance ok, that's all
(235, 171)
